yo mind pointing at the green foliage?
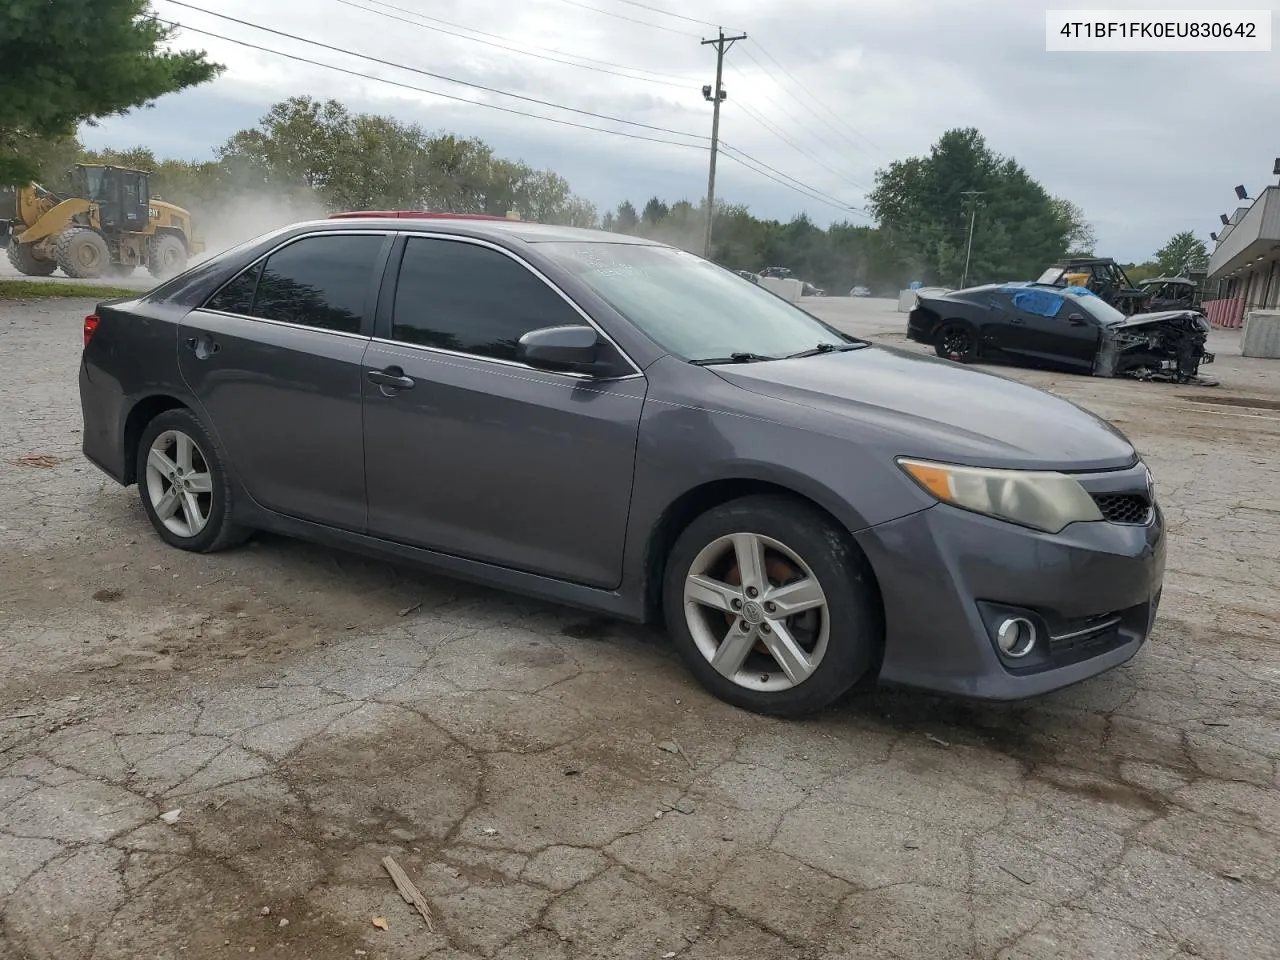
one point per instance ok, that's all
(306, 158)
(1018, 229)
(32, 289)
(1183, 252)
(356, 161)
(836, 259)
(64, 62)
(1137, 272)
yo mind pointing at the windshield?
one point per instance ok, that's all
(93, 183)
(1102, 310)
(1052, 275)
(689, 306)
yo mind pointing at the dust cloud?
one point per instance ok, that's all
(245, 217)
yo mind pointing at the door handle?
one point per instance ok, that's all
(392, 378)
(203, 346)
(1017, 320)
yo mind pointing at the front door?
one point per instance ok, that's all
(477, 455)
(274, 360)
(1048, 327)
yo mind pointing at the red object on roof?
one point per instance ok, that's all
(414, 214)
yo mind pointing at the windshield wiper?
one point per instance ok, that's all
(741, 357)
(824, 348)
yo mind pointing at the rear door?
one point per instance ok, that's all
(274, 360)
(478, 455)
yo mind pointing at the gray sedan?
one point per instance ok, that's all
(614, 424)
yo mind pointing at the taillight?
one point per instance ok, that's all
(90, 325)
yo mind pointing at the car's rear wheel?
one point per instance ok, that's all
(772, 606)
(956, 341)
(184, 485)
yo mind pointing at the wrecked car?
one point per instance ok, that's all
(1065, 329)
(1170, 293)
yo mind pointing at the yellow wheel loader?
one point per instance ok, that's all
(110, 225)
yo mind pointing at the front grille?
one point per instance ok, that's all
(1123, 507)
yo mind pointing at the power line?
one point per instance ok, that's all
(741, 157)
(559, 53)
(794, 183)
(434, 93)
(810, 131)
(760, 119)
(668, 13)
(743, 161)
(619, 16)
(501, 46)
(838, 120)
(437, 76)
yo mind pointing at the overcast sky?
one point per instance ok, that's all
(823, 91)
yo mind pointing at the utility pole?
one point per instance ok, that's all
(971, 198)
(722, 44)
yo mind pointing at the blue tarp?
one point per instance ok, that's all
(1043, 303)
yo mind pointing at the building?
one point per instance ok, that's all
(1244, 268)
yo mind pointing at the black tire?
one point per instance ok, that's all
(23, 258)
(956, 340)
(166, 256)
(82, 253)
(852, 602)
(218, 533)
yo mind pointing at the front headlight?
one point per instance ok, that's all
(1040, 499)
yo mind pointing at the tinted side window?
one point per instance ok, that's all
(464, 297)
(319, 282)
(237, 296)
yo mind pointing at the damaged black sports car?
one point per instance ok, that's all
(1061, 328)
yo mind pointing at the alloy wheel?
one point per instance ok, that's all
(957, 342)
(179, 484)
(756, 612)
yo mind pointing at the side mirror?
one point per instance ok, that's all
(559, 348)
(1076, 320)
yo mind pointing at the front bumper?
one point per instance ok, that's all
(948, 576)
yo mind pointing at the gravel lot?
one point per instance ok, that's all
(558, 787)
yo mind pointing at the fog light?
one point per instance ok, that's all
(1016, 636)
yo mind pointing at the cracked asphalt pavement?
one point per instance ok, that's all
(558, 787)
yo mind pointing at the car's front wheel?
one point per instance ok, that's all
(772, 606)
(184, 485)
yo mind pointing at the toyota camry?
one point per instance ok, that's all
(611, 423)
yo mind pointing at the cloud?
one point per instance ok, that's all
(1147, 144)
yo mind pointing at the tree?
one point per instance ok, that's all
(1183, 252)
(921, 204)
(625, 219)
(306, 149)
(70, 62)
(655, 211)
(1081, 237)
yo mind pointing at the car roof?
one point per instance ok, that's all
(498, 228)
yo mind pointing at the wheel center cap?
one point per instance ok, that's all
(752, 612)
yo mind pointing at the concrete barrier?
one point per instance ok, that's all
(907, 298)
(787, 289)
(1261, 335)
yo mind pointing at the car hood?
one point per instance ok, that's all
(1146, 319)
(929, 408)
